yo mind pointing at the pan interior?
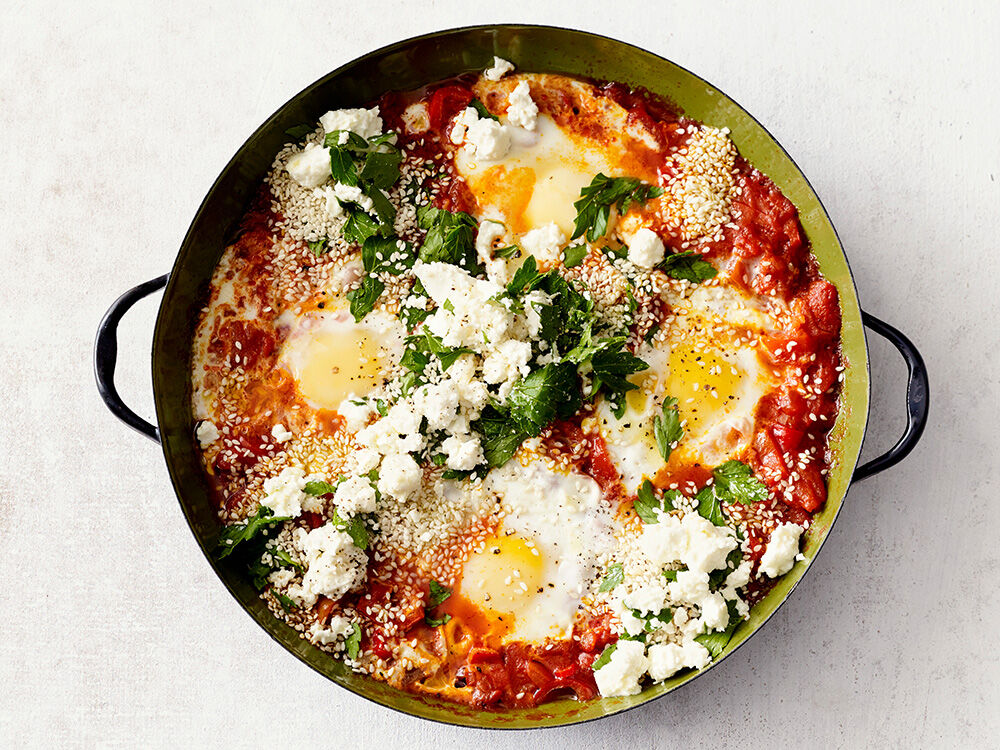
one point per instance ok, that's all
(408, 65)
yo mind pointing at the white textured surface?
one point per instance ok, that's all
(114, 120)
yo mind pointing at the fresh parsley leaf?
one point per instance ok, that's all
(688, 265)
(735, 483)
(259, 524)
(483, 112)
(614, 575)
(501, 437)
(646, 503)
(363, 298)
(565, 319)
(450, 237)
(438, 594)
(667, 427)
(709, 507)
(342, 166)
(381, 169)
(549, 391)
(318, 487)
(383, 254)
(717, 641)
(319, 246)
(353, 141)
(511, 251)
(355, 528)
(383, 208)
(359, 225)
(286, 603)
(604, 658)
(717, 577)
(524, 278)
(574, 255)
(457, 474)
(611, 365)
(352, 644)
(298, 132)
(264, 561)
(594, 205)
(670, 575)
(435, 622)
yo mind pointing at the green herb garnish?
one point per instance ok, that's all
(735, 483)
(613, 576)
(688, 265)
(593, 209)
(667, 428)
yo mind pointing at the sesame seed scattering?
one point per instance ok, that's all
(486, 423)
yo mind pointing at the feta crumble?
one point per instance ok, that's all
(365, 122)
(207, 433)
(666, 659)
(486, 138)
(334, 565)
(545, 242)
(355, 495)
(399, 476)
(621, 675)
(311, 166)
(283, 493)
(521, 108)
(645, 248)
(281, 434)
(782, 547)
(500, 68)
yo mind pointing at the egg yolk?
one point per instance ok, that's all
(504, 575)
(337, 364)
(705, 385)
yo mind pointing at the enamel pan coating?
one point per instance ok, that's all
(408, 65)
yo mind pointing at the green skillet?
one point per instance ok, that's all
(407, 65)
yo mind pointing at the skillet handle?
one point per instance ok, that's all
(106, 356)
(917, 399)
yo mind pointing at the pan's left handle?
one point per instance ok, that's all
(106, 356)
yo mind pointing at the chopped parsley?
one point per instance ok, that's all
(319, 246)
(717, 641)
(438, 594)
(364, 298)
(614, 575)
(257, 526)
(735, 483)
(352, 644)
(688, 265)
(318, 487)
(593, 209)
(648, 506)
(482, 111)
(604, 658)
(574, 255)
(450, 238)
(354, 527)
(535, 400)
(667, 428)
(709, 506)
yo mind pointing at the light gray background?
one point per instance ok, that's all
(114, 121)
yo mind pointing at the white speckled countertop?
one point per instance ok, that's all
(115, 119)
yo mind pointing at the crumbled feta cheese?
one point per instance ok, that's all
(364, 122)
(489, 233)
(714, 612)
(621, 675)
(690, 586)
(283, 493)
(500, 68)
(474, 314)
(311, 166)
(280, 433)
(645, 248)
(464, 452)
(399, 476)
(779, 555)
(207, 433)
(415, 118)
(404, 418)
(355, 495)
(364, 460)
(631, 624)
(334, 565)
(692, 540)
(508, 362)
(338, 629)
(352, 194)
(486, 138)
(666, 659)
(649, 599)
(521, 108)
(737, 580)
(437, 404)
(545, 242)
(356, 412)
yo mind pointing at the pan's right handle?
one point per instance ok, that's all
(917, 399)
(106, 356)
